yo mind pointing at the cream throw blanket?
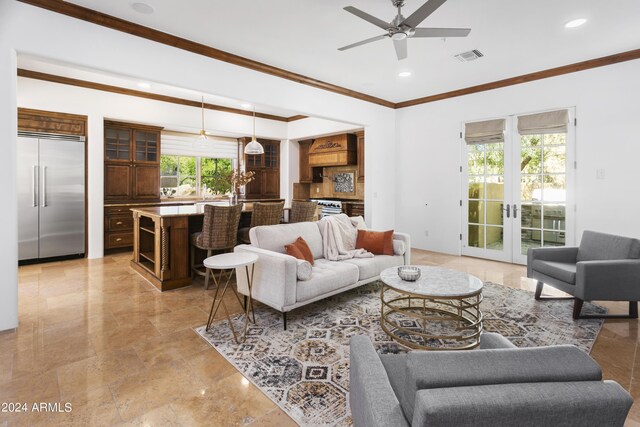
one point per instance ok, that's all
(339, 239)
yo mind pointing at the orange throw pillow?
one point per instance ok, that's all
(376, 242)
(299, 249)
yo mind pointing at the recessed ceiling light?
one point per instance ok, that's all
(404, 73)
(142, 8)
(575, 23)
(144, 85)
(246, 105)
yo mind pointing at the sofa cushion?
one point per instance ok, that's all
(376, 242)
(601, 246)
(326, 276)
(499, 366)
(371, 267)
(299, 249)
(303, 269)
(564, 271)
(274, 237)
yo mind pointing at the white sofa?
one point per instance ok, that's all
(275, 280)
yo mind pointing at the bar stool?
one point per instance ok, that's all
(219, 233)
(262, 214)
(302, 211)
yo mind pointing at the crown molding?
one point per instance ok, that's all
(525, 78)
(102, 19)
(141, 94)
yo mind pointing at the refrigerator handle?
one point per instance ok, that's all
(44, 186)
(34, 182)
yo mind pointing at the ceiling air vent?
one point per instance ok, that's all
(471, 55)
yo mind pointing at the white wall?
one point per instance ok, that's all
(607, 108)
(61, 38)
(312, 127)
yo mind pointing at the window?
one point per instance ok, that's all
(184, 176)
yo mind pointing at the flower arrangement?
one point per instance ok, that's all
(239, 178)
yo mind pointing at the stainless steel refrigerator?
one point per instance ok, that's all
(51, 201)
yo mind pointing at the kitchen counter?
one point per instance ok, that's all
(161, 241)
(176, 202)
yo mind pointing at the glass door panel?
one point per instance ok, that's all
(485, 207)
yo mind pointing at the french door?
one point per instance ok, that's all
(518, 193)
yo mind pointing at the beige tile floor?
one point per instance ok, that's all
(95, 334)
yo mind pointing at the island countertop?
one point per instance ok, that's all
(185, 210)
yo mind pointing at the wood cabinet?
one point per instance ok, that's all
(132, 162)
(266, 183)
(353, 208)
(306, 171)
(131, 174)
(360, 150)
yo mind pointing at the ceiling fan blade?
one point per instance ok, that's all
(441, 32)
(369, 18)
(422, 13)
(360, 43)
(401, 48)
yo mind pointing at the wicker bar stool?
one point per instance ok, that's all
(302, 211)
(262, 214)
(219, 233)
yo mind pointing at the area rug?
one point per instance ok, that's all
(305, 369)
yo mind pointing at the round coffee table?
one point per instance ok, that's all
(439, 311)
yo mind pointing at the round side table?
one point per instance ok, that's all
(228, 263)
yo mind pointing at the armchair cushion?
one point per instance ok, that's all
(585, 403)
(499, 366)
(560, 270)
(601, 246)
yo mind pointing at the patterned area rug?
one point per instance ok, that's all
(305, 369)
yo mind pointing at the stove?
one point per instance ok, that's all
(329, 207)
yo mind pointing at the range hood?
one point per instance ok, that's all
(337, 150)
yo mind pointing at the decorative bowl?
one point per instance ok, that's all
(409, 273)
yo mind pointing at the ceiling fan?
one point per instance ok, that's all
(400, 28)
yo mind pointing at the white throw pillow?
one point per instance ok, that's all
(398, 247)
(358, 222)
(303, 269)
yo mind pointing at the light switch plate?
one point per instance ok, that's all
(600, 174)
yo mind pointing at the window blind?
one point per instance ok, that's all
(484, 132)
(187, 145)
(549, 122)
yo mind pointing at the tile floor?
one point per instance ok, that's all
(93, 333)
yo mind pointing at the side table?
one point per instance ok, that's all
(228, 263)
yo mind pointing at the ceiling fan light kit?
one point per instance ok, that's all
(401, 28)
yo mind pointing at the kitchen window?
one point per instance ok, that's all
(194, 176)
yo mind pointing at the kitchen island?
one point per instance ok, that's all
(161, 241)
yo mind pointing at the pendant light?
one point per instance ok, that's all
(203, 134)
(254, 147)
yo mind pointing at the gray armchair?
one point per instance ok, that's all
(496, 385)
(604, 267)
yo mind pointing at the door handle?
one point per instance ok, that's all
(515, 211)
(44, 186)
(508, 209)
(34, 182)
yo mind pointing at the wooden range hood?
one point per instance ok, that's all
(337, 150)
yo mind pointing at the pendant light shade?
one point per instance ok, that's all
(254, 147)
(203, 133)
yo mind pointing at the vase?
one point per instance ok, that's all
(233, 199)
